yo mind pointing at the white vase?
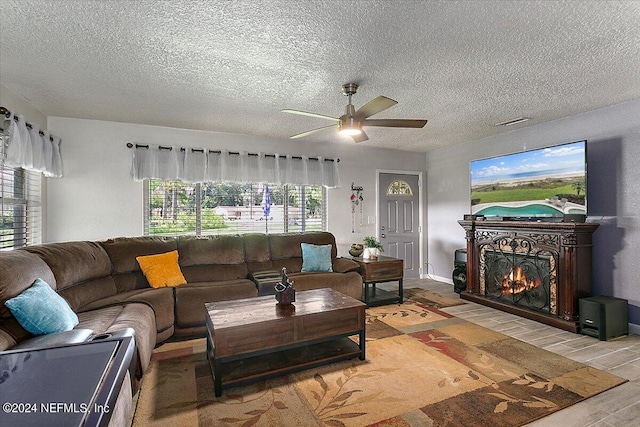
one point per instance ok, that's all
(370, 253)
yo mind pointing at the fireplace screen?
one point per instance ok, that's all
(514, 272)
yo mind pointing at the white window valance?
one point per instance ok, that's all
(199, 165)
(30, 148)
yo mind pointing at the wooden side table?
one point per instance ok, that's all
(379, 270)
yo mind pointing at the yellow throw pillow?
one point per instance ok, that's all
(162, 270)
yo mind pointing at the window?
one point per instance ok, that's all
(399, 188)
(20, 206)
(177, 208)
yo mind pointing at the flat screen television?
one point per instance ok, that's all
(536, 184)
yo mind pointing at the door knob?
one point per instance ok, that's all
(382, 235)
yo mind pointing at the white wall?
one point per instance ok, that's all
(18, 105)
(98, 199)
(613, 192)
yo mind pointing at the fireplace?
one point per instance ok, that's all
(536, 270)
(515, 274)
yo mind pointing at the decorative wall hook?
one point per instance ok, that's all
(356, 200)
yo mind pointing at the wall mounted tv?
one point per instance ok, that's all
(537, 184)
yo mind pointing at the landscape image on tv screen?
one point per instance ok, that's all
(547, 182)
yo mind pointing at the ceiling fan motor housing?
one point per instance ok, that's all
(348, 124)
(349, 89)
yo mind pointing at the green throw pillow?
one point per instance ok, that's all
(316, 258)
(40, 310)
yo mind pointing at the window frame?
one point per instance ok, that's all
(21, 199)
(300, 193)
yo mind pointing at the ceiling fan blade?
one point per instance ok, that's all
(395, 123)
(374, 106)
(309, 132)
(304, 113)
(361, 137)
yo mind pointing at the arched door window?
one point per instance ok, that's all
(399, 188)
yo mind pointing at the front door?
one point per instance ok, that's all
(399, 214)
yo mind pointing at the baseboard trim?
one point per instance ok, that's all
(448, 280)
(634, 329)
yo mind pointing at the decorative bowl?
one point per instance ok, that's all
(356, 250)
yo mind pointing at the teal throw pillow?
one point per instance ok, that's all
(40, 310)
(316, 257)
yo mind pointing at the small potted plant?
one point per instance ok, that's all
(372, 247)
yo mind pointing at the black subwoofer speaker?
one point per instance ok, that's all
(604, 317)
(460, 270)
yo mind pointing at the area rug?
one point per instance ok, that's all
(424, 367)
(431, 298)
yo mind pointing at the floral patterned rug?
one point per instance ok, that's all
(424, 367)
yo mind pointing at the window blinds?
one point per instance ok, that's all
(20, 205)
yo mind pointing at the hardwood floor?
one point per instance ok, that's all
(621, 356)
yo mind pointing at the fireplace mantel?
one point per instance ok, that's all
(567, 244)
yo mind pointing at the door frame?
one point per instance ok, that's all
(421, 210)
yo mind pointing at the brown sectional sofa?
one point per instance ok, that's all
(104, 285)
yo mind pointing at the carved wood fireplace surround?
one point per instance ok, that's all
(538, 270)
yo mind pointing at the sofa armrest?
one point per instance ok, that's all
(74, 336)
(344, 265)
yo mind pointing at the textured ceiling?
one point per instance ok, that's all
(231, 66)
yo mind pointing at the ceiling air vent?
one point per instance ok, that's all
(513, 121)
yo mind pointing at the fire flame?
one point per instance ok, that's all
(516, 282)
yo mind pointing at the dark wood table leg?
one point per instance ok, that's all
(362, 343)
(366, 293)
(217, 378)
(400, 291)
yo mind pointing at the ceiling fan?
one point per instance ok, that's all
(352, 121)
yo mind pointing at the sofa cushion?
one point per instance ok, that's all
(86, 292)
(74, 262)
(211, 250)
(123, 251)
(214, 272)
(82, 270)
(190, 298)
(293, 265)
(256, 247)
(18, 270)
(344, 265)
(40, 310)
(256, 252)
(212, 258)
(161, 301)
(287, 245)
(139, 317)
(162, 269)
(316, 258)
(126, 282)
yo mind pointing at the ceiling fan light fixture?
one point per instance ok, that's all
(350, 131)
(349, 127)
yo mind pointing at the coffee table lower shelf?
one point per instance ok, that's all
(245, 369)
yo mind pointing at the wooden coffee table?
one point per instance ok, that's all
(252, 339)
